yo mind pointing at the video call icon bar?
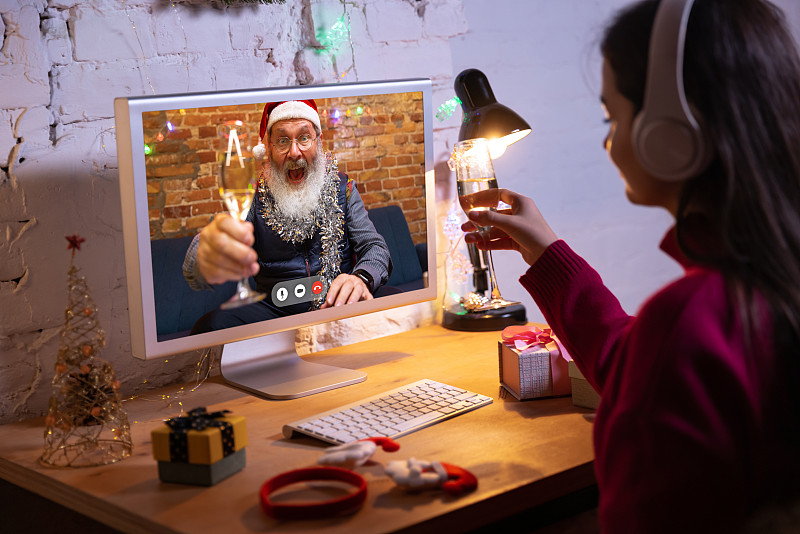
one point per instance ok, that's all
(297, 291)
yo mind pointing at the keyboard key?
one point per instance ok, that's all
(342, 436)
(421, 420)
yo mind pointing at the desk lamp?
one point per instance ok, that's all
(484, 117)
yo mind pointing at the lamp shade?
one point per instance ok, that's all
(484, 116)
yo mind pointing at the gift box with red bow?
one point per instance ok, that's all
(200, 447)
(532, 363)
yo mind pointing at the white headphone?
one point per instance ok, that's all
(667, 139)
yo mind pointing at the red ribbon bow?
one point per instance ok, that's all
(523, 337)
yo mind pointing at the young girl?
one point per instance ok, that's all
(698, 429)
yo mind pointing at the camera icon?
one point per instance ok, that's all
(299, 291)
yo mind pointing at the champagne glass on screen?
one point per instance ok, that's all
(474, 172)
(237, 186)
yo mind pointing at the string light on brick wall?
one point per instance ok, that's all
(185, 44)
(335, 115)
(160, 136)
(141, 48)
(203, 368)
(446, 110)
(333, 39)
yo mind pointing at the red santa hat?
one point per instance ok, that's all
(289, 109)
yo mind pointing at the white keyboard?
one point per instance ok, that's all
(391, 414)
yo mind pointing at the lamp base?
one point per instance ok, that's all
(456, 317)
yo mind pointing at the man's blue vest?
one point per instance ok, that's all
(281, 261)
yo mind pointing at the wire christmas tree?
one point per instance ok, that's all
(86, 424)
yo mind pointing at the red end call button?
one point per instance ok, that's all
(316, 287)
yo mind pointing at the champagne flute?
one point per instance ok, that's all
(474, 172)
(237, 187)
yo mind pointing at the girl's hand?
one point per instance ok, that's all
(521, 227)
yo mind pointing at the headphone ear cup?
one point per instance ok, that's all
(667, 138)
(668, 148)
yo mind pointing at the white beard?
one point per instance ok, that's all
(297, 201)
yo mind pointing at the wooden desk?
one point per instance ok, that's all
(523, 453)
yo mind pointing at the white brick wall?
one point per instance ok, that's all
(59, 45)
(63, 61)
(393, 20)
(105, 36)
(408, 59)
(61, 64)
(24, 73)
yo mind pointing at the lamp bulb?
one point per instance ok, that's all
(497, 147)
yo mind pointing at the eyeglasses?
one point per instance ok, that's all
(284, 144)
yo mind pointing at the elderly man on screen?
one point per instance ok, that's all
(307, 219)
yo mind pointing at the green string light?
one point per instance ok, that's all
(333, 38)
(446, 110)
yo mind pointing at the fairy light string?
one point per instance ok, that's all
(334, 38)
(141, 49)
(332, 41)
(446, 110)
(174, 400)
(350, 41)
(185, 44)
(205, 364)
(457, 266)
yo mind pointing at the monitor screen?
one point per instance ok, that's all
(376, 181)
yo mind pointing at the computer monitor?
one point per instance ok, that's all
(168, 149)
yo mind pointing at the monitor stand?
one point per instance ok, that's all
(270, 367)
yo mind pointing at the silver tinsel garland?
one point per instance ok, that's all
(327, 218)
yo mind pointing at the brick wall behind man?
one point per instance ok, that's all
(182, 175)
(378, 141)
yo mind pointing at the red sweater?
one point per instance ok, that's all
(687, 436)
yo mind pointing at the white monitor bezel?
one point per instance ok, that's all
(135, 219)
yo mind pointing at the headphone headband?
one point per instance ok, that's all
(667, 138)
